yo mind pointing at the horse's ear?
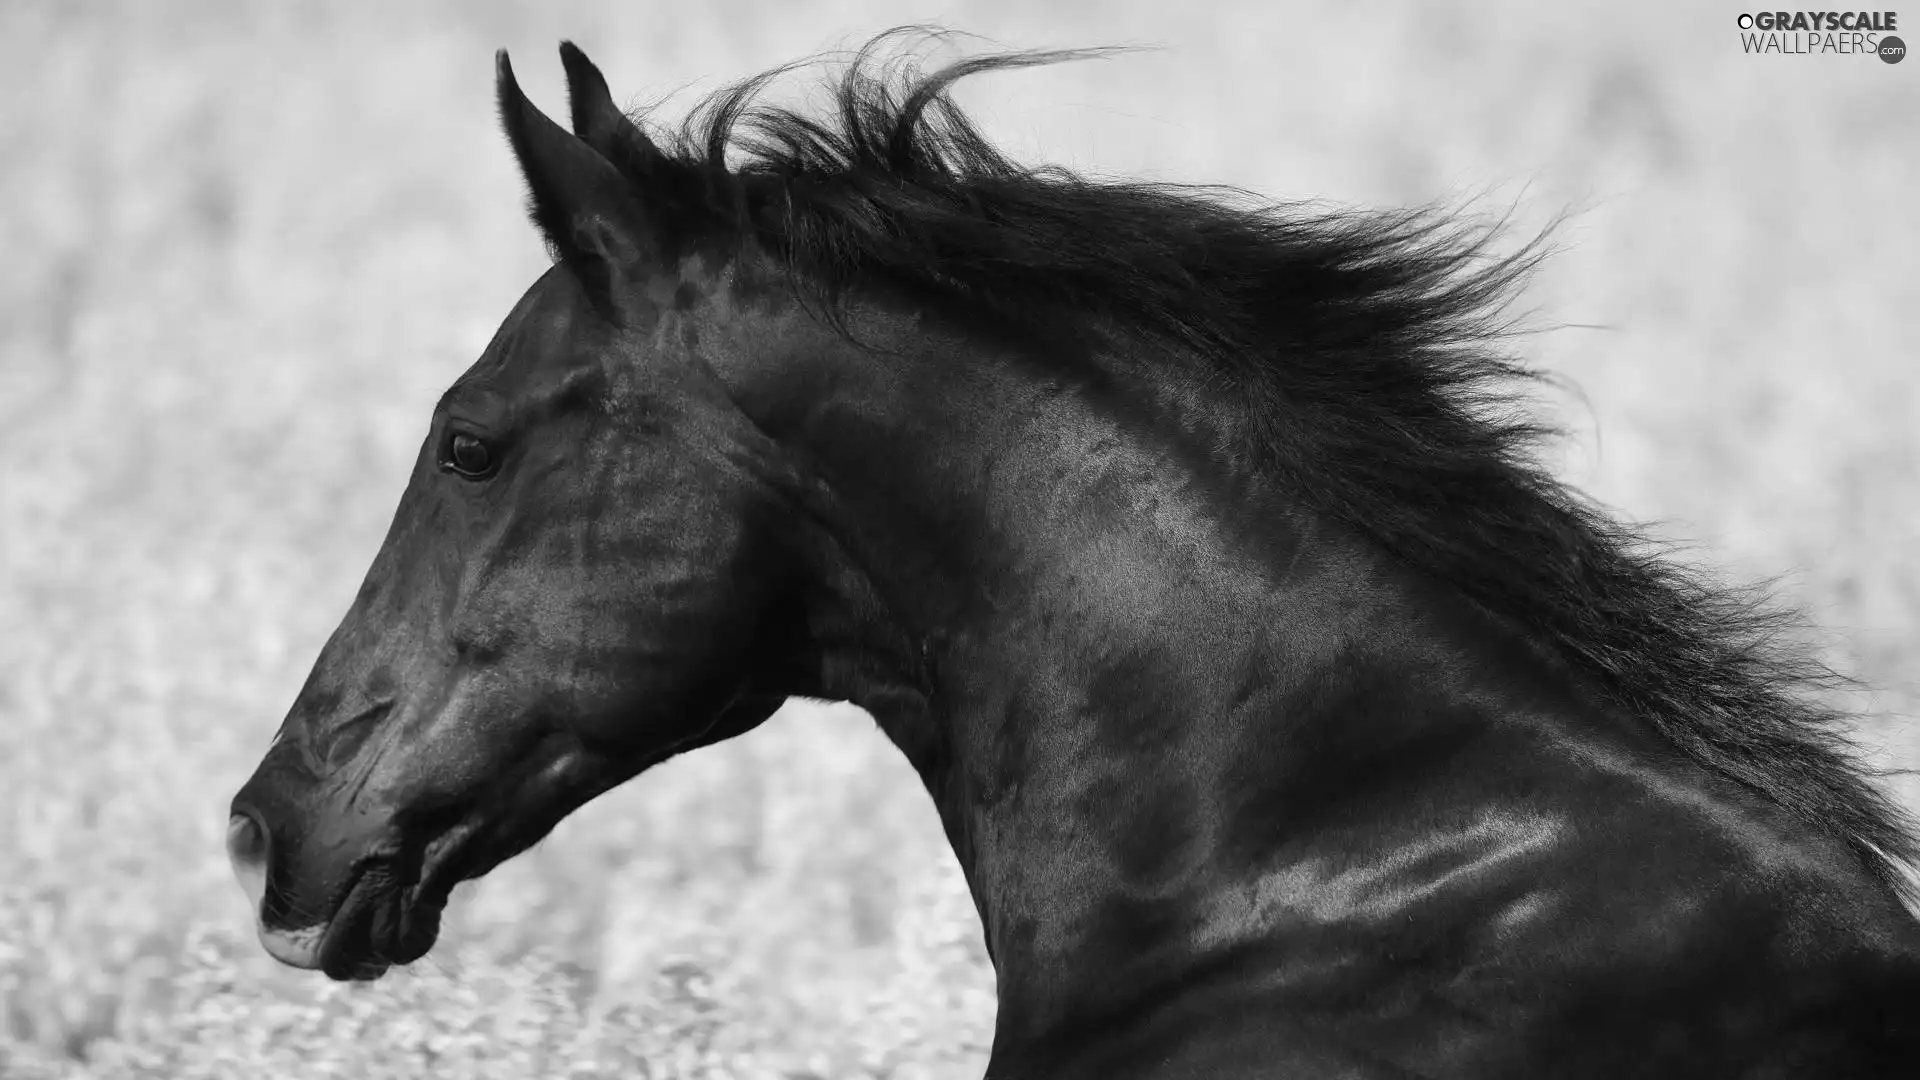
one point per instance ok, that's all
(586, 209)
(599, 122)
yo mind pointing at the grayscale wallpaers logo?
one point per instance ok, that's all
(1823, 33)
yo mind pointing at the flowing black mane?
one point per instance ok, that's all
(1364, 345)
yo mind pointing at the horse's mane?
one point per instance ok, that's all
(1364, 346)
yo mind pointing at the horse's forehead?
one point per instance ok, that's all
(533, 338)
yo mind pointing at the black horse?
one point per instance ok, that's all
(1286, 719)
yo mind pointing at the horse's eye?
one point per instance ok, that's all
(468, 456)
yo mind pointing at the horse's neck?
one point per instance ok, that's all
(1125, 681)
(1171, 722)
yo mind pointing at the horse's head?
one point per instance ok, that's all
(585, 572)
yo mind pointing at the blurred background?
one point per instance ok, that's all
(244, 246)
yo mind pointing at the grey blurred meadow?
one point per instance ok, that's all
(246, 245)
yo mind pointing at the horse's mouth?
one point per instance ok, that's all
(384, 919)
(374, 928)
(387, 910)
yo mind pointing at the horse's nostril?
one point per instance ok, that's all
(246, 845)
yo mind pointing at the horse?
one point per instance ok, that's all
(1286, 717)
